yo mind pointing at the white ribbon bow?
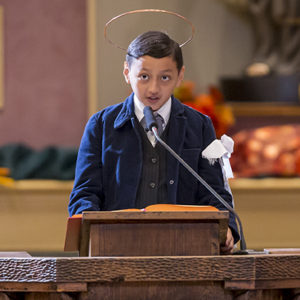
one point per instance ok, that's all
(220, 149)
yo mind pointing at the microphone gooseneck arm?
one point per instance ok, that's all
(152, 125)
(200, 179)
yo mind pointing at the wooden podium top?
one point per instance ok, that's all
(140, 216)
(78, 228)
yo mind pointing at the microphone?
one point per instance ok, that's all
(149, 119)
(152, 125)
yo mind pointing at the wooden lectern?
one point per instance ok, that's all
(147, 233)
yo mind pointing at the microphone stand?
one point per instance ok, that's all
(200, 179)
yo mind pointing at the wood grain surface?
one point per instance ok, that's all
(268, 277)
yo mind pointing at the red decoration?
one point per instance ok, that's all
(211, 104)
(267, 151)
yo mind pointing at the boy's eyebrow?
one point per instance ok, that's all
(163, 71)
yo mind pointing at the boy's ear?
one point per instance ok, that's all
(180, 76)
(126, 72)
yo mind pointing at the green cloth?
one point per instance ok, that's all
(49, 163)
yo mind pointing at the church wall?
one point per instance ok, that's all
(45, 96)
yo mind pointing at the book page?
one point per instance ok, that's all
(178, 207)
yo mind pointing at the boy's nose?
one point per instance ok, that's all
(153, 86)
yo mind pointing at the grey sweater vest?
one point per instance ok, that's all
(153, 184)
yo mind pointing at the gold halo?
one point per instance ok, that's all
(148, 10)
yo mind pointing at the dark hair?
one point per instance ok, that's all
(155, 44)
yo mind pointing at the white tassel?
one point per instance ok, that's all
(220, 149)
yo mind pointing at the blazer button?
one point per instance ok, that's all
(171, 181)
(154, 160)
(152, 185)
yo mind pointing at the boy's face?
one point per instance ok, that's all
(153, 79)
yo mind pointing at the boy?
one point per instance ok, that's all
(120, 166)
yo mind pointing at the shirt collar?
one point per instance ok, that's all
(164, 111)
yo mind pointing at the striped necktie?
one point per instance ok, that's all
(160, 123)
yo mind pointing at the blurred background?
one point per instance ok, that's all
(56, 70)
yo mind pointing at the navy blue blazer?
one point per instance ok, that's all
(109, 162)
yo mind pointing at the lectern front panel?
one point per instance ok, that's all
(154, 239)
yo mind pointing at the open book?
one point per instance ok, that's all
(173, 207)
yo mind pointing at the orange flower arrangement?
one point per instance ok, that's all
(211, 104)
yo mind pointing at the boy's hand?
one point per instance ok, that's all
(228, 247)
